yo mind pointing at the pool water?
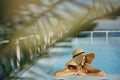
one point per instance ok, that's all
(107, 55)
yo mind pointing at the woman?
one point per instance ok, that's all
(78, 65)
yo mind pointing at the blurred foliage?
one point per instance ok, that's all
(17, 15)
(38, 24)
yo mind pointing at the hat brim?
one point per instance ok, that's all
(77, 60)
(89, 57)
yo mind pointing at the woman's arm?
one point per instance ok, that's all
(65, 72)
(93, 71)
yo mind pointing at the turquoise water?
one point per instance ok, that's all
(107, 54)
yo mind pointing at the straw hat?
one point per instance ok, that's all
(78, 56)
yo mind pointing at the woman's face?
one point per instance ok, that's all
(83, 61)
(72, 68)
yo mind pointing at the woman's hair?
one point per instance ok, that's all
(72, 67)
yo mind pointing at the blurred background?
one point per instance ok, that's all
(29, 28)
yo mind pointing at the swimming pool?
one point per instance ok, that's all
(107, 55)
(107, 59)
